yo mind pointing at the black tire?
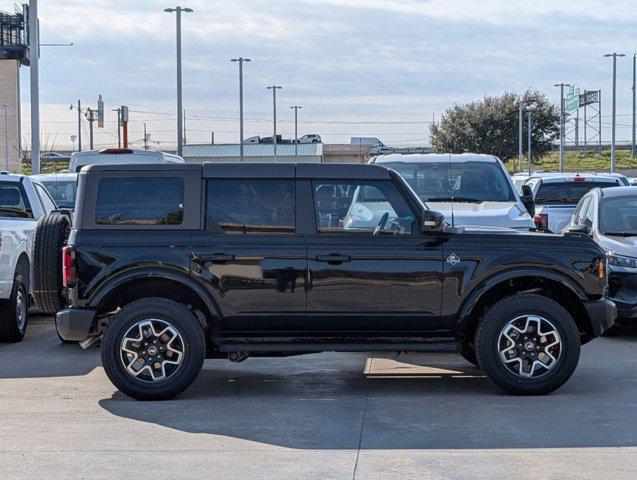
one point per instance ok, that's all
(468, 352)
(504, 311)
(10, 328)
(184, 322)
(50, 237)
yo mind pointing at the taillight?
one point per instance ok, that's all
(68, 266)
(579, 179)
(541, 221)
(601, 268)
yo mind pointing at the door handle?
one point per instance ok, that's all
(333, 258)
(217, 258)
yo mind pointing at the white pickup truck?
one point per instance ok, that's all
(23, 201)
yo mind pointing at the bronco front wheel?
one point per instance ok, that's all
(528, 344)
(153, 349)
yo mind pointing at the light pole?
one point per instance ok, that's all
(34, 45)
(296, 130)
(240, 60)
(178, 11)
(520, 121)
(632, 146)
(612, 128)
(274, 88)
(562, 85)
(529, 141)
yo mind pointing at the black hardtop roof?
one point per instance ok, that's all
(351, 171)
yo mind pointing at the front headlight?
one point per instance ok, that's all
(621, 261)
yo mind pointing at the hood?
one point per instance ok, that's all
(626, 246)
(490, 214)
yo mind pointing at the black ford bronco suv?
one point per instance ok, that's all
(172, 264)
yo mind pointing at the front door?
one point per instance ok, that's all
(370, 267)
(250, 256)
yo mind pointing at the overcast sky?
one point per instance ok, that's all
(392, 63)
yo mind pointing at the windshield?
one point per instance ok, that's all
(567, 193)
(465, 182)
(13, 201)
(62, 191)
(618, 216)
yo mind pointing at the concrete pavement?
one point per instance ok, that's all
(325, 416)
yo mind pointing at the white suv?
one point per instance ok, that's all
(476, 188)
(23, 201)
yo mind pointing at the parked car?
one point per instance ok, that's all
(609, 216)
(171, 264)
(312, 138)
(477, 186)
(55, 157)
(633, 181)
(23, 201)
(380, 149)
(119, 156)
(61, 186)
(556, 196)
(623, 179)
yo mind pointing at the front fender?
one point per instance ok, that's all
(485, 285)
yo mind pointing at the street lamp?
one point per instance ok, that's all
(612, 128)
(240, 60)
(180, 133)
(562, 85)
(632, 145)
(274, 88)
(296, 130)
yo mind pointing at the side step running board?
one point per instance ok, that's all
(339, 347)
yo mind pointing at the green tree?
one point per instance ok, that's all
(491, 126)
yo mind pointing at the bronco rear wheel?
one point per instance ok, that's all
(528, 344)
(153, 349)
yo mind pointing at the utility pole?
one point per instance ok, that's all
(612, 128)
(212, 138)
(145, 138)
(562, 85)
(178, 11)
(79, 126)
(274, 88)
(632, 146)
(34, 46)
(90, 116)
(585, 121)
(520, 133)
(5, 114)
(529, 142)
(185, 128)
(240, 60)
(296, 130)
(119, 128)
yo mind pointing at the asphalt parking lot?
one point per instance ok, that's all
(325, 416)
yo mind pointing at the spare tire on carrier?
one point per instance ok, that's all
(51, 235)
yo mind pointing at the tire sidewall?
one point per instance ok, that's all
(182, 320)
(505, 311)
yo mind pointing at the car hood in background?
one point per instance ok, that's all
(490, 214)
(620, 245)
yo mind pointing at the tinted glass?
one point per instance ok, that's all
(13, 201)
(250, 206)
(62, 191)
(466, 181)
(619, 216)
(140, 201)
(47, 201)
(370, 208)
(567, 192)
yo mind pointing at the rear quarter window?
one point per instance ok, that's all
(13, 201)
(140, 201)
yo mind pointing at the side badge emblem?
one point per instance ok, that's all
(453, 259)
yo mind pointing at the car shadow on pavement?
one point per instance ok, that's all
(333, 401)
(41, 354)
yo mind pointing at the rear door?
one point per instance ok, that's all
(249, 254)
(370, 267)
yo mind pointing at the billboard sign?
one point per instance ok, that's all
(572, 99)
(589, 97)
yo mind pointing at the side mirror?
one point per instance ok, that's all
(581, 228)
(527, 199)
(432, 221)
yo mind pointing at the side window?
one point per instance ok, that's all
(368, 208)
(140, 201)
(590, 214)
(580, 211)
(250, 206)
(47, 202)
